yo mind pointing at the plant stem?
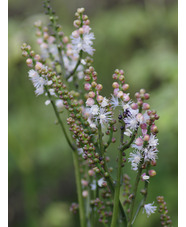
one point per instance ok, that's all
(134, 194)
(76, 166)
(117, 193)
(143, 200)
(79, 190)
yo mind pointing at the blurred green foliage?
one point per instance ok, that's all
(137, 36)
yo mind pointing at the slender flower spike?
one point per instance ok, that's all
(149, 209)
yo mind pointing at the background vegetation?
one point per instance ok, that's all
(137, 36)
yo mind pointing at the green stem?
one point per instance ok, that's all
(143, 200)
(117, 193)
(134, 194)
(79, 190)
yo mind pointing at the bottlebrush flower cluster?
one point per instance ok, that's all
(63, 72)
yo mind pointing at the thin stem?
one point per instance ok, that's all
(134, 194)
(117, 193)
(117, 203)
(79, 190)
(101, 146)
(143, 200)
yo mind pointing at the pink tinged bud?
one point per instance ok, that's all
(29, 62)
(84, 182)
(85, 193)
(153, 163)
(91, 94)
(45, 35)
(121, 71)
(114, 76)
(137, 95)
(146, 137)
(65, 39)
(116, 90)
(99, 87)
(87, 22)
(37, 57)
(144, 131)
(134, 106)
(115, 85)
(152, 173)
(140, 102)
(142, 91)
(121, 78)
(146, 96)
(99, 98)
(140, 117)
(143, 126)
(91, 172)
(39, 41)
(90, 102)
(125, 87)
(146, 106)
(87, 86)
(81, 31)
(126, 97)
(75, 34)
(104, 184)
(139, 141)
(77, 23)
(154, 129)
(156, 117)
(80, 10)
(87, 78)
(38, 66)
(120, 94)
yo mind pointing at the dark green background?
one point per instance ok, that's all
(137, 36)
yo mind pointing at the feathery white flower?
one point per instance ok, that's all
(101, 182)
(135, 159)
(94, 110)
(131, 122)
(150, 154)
(149, 209)
(153, 141)
(47, 102)
(59, 105)
(39, 90)
(104, 103)
(85, 43)
(114, 101)
(104, 116)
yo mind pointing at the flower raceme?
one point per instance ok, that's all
(63, 62)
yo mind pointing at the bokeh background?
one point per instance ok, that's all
(139, 36)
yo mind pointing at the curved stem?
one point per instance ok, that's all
(79, 190)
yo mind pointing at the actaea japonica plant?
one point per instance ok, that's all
(63, 72)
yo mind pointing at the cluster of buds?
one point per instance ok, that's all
(120, 86)
(126, 191)
(103, 209)
(74, 208)
(165, 219)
